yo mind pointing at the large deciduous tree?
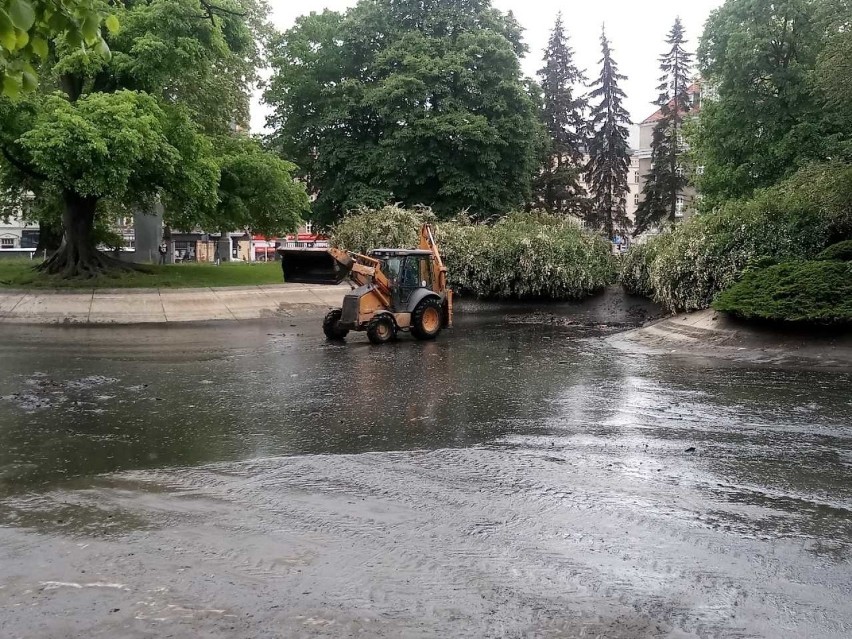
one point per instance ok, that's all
(559, 187)
(667, 178)
(143, 121)
(411, 101)
(609, 152)
(768, 116)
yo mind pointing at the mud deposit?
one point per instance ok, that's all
(514, 479)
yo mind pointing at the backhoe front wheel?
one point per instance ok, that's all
(381, 329)
(331, 326)
(426, 319)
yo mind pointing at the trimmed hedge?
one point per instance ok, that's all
(813, 292)
(840, 252)
(685, 268)
(523, 256)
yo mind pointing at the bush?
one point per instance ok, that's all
(840, 252)
(636, 266)
(522, 256)
(814, 292)
(795, 220)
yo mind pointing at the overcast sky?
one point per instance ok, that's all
(636, 29)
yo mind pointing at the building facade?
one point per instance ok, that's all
(18, 236)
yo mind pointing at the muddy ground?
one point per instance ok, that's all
(521, 477)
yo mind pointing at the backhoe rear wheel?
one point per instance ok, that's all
(331, 326)
(426, 319)
(381, 329)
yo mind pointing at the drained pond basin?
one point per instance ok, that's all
(520, 477)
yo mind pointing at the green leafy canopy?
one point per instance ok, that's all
(420, 102)
(151, 117)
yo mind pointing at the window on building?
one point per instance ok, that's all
(699, 170)
(636, 199)
(680, 205)
(7, 242)
(309, 227)
(679, 170)
(29, 239)
(185, 250)
(636, 177)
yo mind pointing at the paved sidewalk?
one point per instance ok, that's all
(144, 306)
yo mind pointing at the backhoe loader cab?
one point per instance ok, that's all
(393, 289)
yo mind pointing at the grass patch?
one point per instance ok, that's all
(792, 293)
(22, 274)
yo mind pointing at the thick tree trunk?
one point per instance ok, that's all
(49, 237)
(77, 255)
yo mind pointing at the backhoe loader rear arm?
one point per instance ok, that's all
(439, 275)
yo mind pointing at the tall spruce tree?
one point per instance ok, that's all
(558, 188)
(609, 152)
(666, 181)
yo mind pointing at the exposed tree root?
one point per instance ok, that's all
(85, 263)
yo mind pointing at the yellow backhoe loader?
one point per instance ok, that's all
(392, 289)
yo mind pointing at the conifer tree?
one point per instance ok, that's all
(558, 188)
(666, 180)
(609, 152)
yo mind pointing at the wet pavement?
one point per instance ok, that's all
(521, 477)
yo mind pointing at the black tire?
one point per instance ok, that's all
(331, 326)
(427, 319)
(381, 329)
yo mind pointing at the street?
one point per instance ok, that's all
(519, 477)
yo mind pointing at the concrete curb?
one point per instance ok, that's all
(161, 306)
(711, 334)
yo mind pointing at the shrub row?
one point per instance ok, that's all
(525, 255)
(686, 268)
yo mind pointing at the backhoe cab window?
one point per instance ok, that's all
(392, 267)
(408, 272)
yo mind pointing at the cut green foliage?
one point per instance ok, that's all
(636, 266)
(388, 227)
(522, 256)
(840, 252)
(794, 293)
(686, 268)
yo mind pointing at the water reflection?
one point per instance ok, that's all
(193, 396)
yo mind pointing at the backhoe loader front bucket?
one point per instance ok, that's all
(310, 266)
